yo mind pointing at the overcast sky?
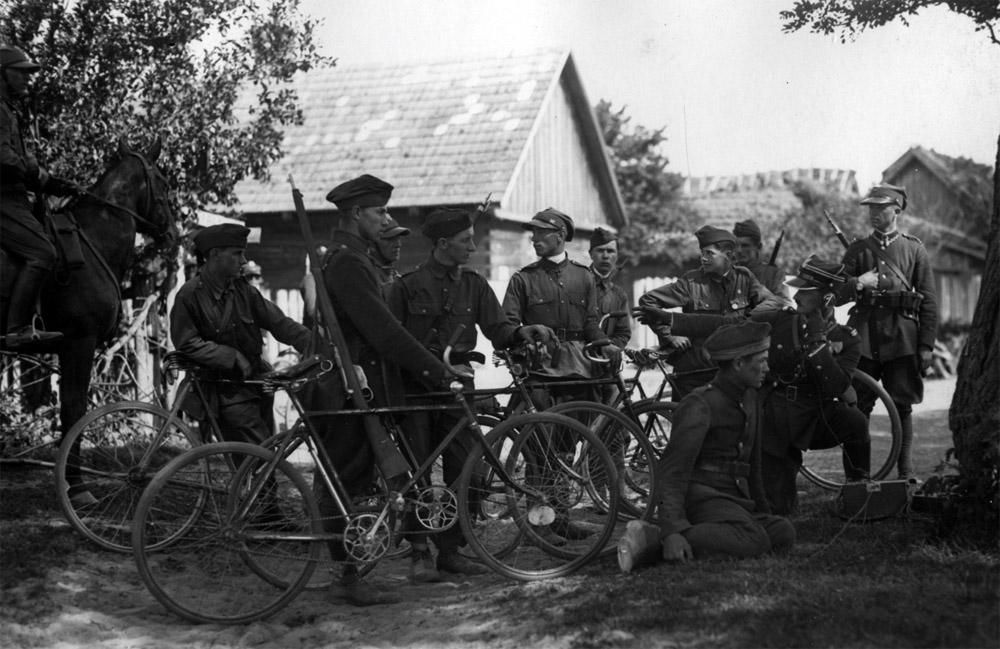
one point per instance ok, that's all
(735, 94)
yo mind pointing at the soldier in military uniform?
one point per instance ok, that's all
(710, 500)
(810, 401)
(22, 236)
(718, 288)
(749, 246)
(895, 310)
(611, 299)
(217, 321)
(386, 250)
(558, 293)
(431, 302)
(377, 343)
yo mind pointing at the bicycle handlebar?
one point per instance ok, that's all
(603, 342)
(446, 359)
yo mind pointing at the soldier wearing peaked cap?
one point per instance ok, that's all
(378, 344)
(749, 245)
(22, 235)
(719, 289)
(810, 403)
(386, 249)
(217, 321)
(710, 499)
(432, 302)
(890, 281)
(558, 293)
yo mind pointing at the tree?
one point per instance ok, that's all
(660, 223)
(974, 416)
(209, 76)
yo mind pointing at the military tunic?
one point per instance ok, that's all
(612, 298)
(210, 324)
(710, 488)
(770, 276)
(808, 401)
(431, 302)
(697, 292)
(561, 296)
(21, 234)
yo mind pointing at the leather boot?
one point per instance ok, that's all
(20, 311)
(904, 465)
(857, 460)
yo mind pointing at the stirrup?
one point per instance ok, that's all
(30, 334)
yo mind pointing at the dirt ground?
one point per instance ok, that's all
(97, 600)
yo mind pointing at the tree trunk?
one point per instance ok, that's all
(974, 417)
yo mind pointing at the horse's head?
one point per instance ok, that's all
(153, 214)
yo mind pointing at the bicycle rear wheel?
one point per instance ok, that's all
(825, 467)
(558, 527)
(229, 548)
(105, 462)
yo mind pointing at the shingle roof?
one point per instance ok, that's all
(960, 174)
(442, 132)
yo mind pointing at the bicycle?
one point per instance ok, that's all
(242, 519)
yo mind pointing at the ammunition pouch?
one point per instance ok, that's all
(896, 300)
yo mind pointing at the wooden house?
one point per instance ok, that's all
(945, 196)
(444, 133)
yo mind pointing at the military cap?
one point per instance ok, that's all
(738, 340)
(446, 222)
(16, 59)
(392, 229)
(815, 273)
(225, 235)
(708, 234)
(363, 191)
(748, 228)
(251, 269)
(600, 237)
(551, 219)
(885, 194)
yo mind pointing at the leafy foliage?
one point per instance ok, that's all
(174, 68)
(853, 16)
(807, 231)
(660, 223)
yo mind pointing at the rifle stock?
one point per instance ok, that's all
(390, 460)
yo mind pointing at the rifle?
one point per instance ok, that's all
(485, 205)
(777, 247)
(387, 454)
(836, 229)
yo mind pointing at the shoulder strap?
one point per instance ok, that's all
(888, 262)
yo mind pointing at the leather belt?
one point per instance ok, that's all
(740, 469)
(796, 392)
(565, 335)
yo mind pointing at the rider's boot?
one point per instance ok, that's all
(21, 330)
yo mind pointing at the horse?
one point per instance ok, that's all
(85, 303)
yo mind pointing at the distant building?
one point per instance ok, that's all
(445, 133)
(945, 195)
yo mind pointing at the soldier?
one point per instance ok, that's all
(749, 245)
(559, 294)
(217, 320)
(431, 302)
(378, 344)
(253, 274)
(611, 298)
(386, 251)
(22, 236)
(711, 501)
(890, 281)
(717, 288)
(810, 403)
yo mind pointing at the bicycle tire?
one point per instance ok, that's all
(211, 555)
(530, 538)
(655, 418)
(824, 468)
(629, 448)
(108, 454)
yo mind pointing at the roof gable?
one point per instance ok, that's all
(442, 132)
(960, 175)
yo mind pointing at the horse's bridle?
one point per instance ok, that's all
(151, 201)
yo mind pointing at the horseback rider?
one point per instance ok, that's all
(22, 236)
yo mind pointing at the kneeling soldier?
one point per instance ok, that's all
(710, 501)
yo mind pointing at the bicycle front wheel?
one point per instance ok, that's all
(253, 546)
(107, 459)
(532, 517)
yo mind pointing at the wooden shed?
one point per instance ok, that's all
(444, 133)
(943, 193)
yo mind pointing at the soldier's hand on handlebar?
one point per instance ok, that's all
(652, 316)
(677, 342)
(536, 333)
